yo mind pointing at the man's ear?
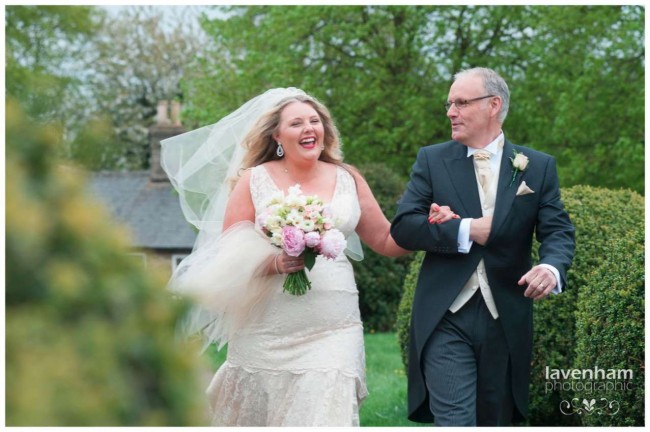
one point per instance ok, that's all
(495, 105)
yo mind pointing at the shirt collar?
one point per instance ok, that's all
(494, 147)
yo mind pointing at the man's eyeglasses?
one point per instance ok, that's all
(464, 103)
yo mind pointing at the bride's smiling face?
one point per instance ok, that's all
(300, 131)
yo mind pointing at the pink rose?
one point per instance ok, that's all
(332, 243)
(293, 240)
(312, 239)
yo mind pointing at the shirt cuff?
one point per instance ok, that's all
(558, 286)
(464, 243)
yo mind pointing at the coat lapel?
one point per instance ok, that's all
(505, 191)
(461, 173)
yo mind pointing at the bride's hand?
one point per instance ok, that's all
(441, 214)
(284, 263)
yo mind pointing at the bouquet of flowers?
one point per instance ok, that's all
(301, 226)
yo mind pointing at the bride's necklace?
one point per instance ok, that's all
(291, 177)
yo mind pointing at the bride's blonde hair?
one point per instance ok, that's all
(261, 147)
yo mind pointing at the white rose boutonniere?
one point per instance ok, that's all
(519, 164)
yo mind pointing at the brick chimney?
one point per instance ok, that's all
(163, 129)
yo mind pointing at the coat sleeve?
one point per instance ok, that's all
(411, 228)
(554, 229)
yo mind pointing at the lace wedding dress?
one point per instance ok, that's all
(301, 361)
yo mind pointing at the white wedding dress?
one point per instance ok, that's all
(300, 362)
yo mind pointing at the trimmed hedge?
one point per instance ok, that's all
(379, 278)
(89, 334)
(609, 333)
(403, 322)
(600, 217)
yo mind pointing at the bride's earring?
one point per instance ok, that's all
(279, 151)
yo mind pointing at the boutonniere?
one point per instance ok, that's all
(519, 164)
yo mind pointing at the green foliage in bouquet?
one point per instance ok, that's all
(89, 334)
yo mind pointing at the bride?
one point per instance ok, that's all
(291, 360)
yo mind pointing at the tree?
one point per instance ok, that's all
(576, 76)
(43, 46)
(139, 59)
(364, 62)
(581, 93)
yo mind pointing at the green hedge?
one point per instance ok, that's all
(610, 332)
(380, 279)
(600, 217)
(403, 323)
(89, 334)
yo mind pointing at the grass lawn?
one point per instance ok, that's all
(386, 381)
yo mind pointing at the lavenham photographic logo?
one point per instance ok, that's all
(587, 382)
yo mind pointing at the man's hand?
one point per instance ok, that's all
(540, 281)
(479, 229)
(441, 214)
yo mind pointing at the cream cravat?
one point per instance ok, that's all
(483, 169)
(478, 280)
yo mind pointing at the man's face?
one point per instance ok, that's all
(470, 123)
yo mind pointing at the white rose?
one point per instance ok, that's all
(295, 201)
(293, 218)
(520, 162)
(276, 239)
(273, 222)
(306, 225)
(295, 190)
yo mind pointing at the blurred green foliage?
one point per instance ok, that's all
(41, 44)
(609, 225)
(96, 146)
(89, 334)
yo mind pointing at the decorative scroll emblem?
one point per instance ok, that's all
(589, 406)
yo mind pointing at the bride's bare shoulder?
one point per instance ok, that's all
(241, 180)
(271, 167)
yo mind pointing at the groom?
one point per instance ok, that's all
(471, 326)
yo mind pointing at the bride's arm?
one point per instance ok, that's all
(373, 227)
(240, 208)
(240, 203)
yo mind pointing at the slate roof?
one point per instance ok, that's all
(151, 210)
